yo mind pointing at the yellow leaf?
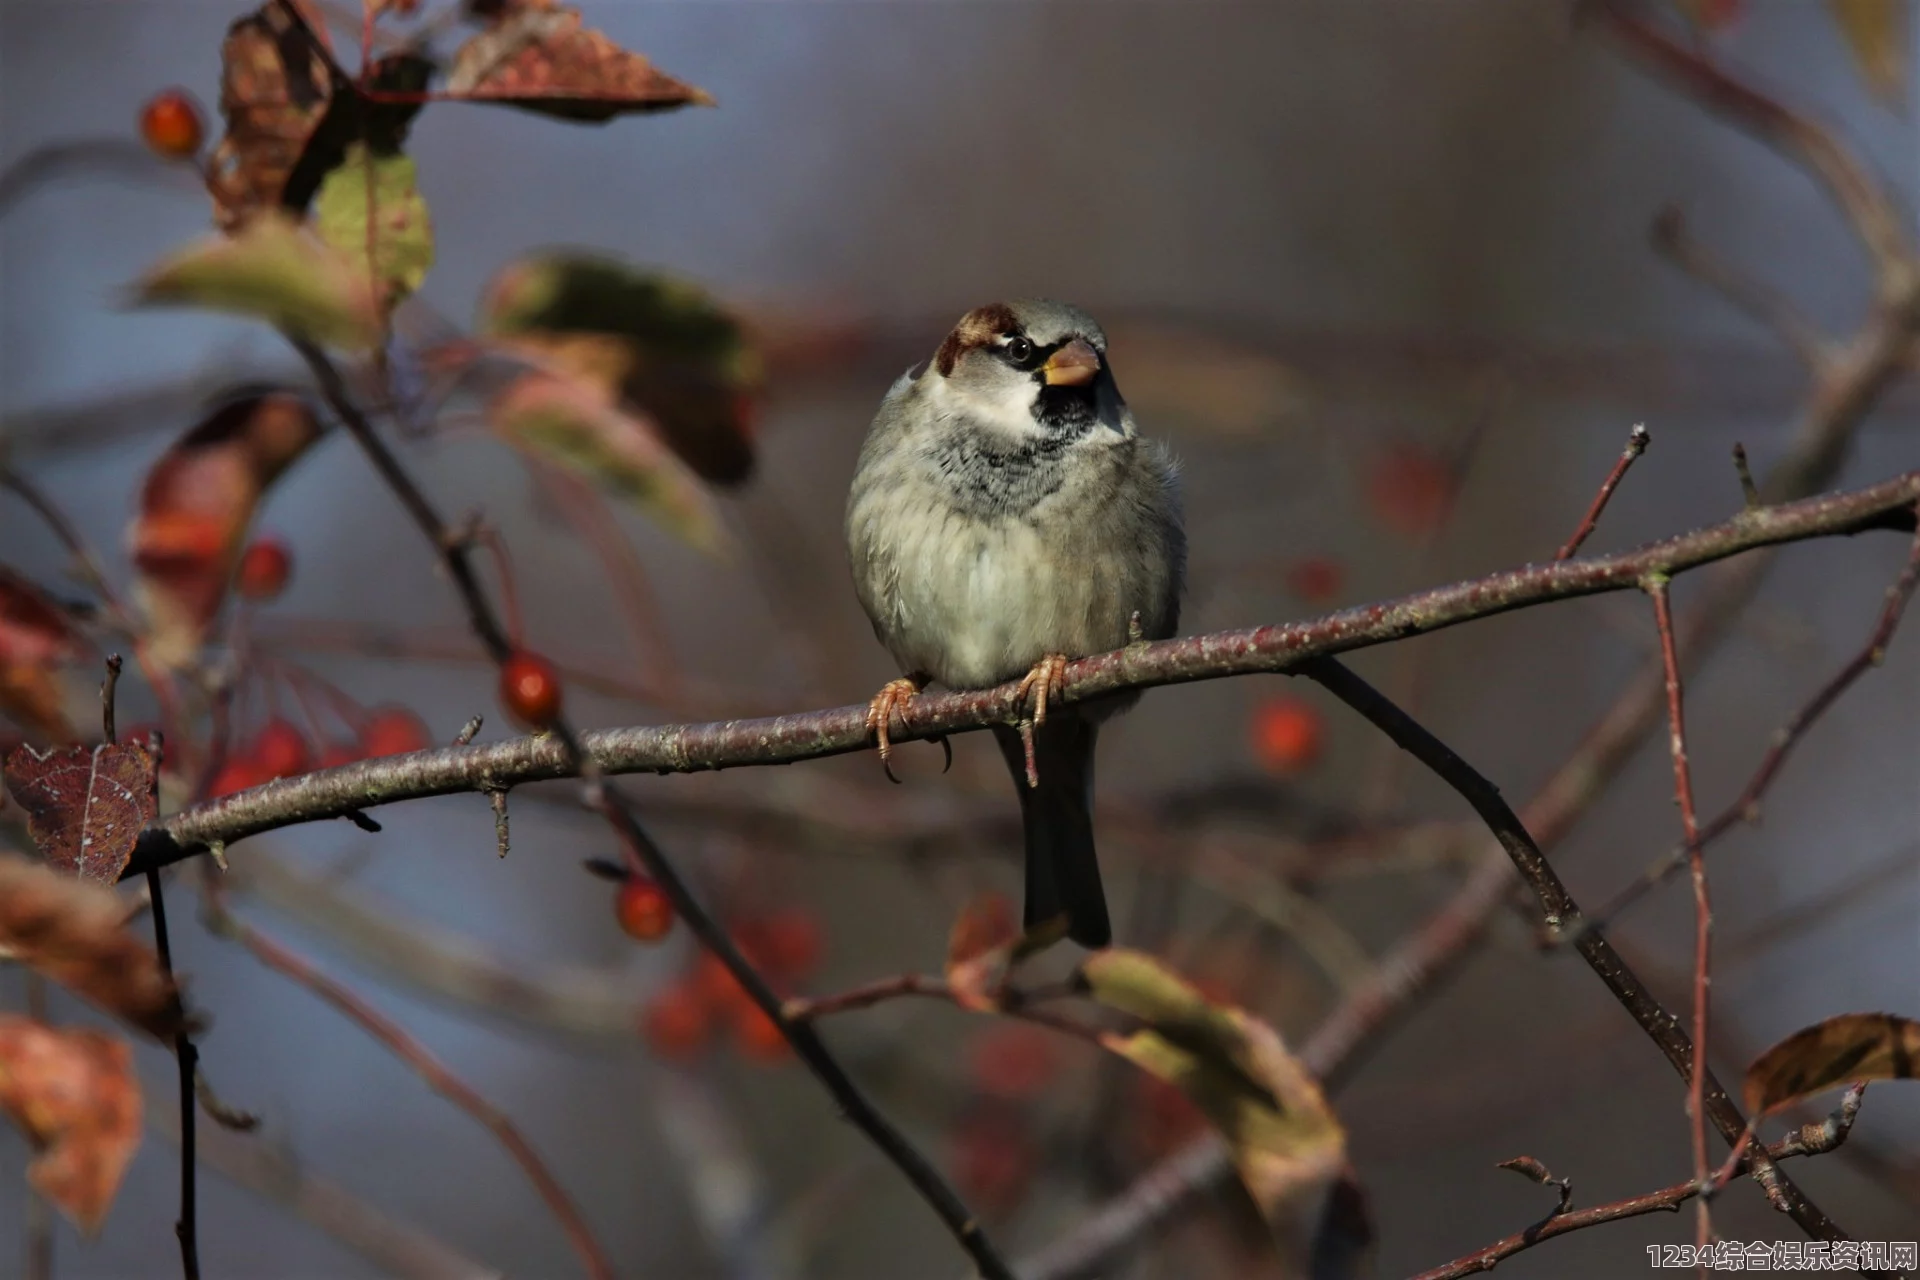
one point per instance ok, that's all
(370, 209)
(1877, 32)
(1286, 1142)
(271, 269)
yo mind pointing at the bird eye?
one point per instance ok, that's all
(1019, 351)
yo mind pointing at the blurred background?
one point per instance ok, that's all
(1379, 272)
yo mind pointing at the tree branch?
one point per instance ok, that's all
(330, 793)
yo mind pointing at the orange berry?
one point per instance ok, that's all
(759, 1036)
(530, 689)
(643, 909)
(170, 124)
(280, 749)
(1013, 1060)
(393, 731)
(1287, 734)
(677, 1022)
(716, 984)
(236, 775)
(265, 566)
(1314, 580)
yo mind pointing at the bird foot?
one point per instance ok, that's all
(891, 701)
(1049, 676)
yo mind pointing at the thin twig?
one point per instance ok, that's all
(1813, 1139)
(1749, 491)
(108, 727)
(1771, 309)
(326, 794)
(1702, 907)
(1746, 807)
(599, 796)
(1637, 442)
(1560, 911)
(1872, 215)
(438, 1076)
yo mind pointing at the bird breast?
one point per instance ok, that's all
(974, 597)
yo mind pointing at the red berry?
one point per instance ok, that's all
(1013, 1060)
(716, 983)
(170, 124)
(643, 909)
(788, 942)
(1314, 580)
(678, 1021)
(265, 566)
(1410, 491)
(993, 1159)
(530, 689)
(1287, 734)
(758, 1036)
(392, 731)
(335, 754)
(280, 750)
(236, 775)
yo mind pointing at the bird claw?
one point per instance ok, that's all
(1049, 676)
(891, 701)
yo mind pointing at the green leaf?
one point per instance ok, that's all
(1876, 30)
(270, 269)
(1285, 1140)
(571, 420)
(371, 210)
(660, 346)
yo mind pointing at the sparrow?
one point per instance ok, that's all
(1007, 516)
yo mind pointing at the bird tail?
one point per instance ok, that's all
(1063, 871)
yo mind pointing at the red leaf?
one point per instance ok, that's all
(195, 508)
(72, 1092)
(85, 805)
(75, 933)
(35, 637)
(538, 57)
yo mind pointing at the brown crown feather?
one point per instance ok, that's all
(976, 329)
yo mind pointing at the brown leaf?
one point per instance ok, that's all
(73, 1093)
(85, 805)
(1837, 1051)
(75, 933)
(1876, 30)
(982, 937)
(1286, 1142)
(195, 508)
(31, 697)
(538, 57)
(275, 87)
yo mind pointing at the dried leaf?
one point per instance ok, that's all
(275, 87)
(195, 508)
(982, 940)
(1876, 30)
(662, 346)
(1836, 1051)
(73, 1093)
(538, 57)
(292, 112)
(371, 211)
(85, 805)
(271, 269)
(35, 637)
(75, 933)
(575, 422)
(1285, 1140)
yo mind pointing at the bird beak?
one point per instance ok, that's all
(1072, 365)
